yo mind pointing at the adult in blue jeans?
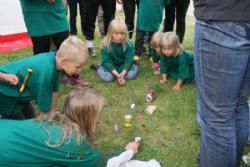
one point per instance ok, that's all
(222, 66)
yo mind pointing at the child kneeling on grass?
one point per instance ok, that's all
(155, 51)
(43, 83)
(59, 138)
(117, 55)
(56, 138)
(176, 63)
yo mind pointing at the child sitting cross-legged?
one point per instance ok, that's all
(117, 55)
(176, 63)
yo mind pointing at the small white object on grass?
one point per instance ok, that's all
(137, 139)
(132, 106)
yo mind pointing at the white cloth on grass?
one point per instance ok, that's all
(123, 160)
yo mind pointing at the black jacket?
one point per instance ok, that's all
(223, 10)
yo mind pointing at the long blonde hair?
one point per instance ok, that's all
(115, 26)
(79, 115)
(170, 39)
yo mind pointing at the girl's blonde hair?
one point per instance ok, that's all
(171, 40)
(156, 39)
(77, 118)
(115, 26)
(73, 49)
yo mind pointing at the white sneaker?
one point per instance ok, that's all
(246, 159)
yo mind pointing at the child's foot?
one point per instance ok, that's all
(246, 159)
(76, 82)
(95, 66)
(151, 60)
(92, 52)
(157, 72)
(136, 59)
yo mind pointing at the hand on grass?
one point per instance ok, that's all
(176, 88)
(133, 146)
(163, 81)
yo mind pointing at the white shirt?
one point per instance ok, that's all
(123, 160)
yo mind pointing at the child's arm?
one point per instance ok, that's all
(10, 78)
(117, 75)
(132, 148)
(54, 101)
(178, 85)
(123, 74)
(164, 79)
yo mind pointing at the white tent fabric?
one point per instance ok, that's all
(13, 33)
(11, 18)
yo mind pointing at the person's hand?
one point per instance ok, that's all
(11, 79)
(121, 81)
(163, 81)
(133, 146)
(123, 73)
(176, 88)
(117, 75)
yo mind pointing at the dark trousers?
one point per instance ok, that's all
(108, 7)
(42, 44)
(139, 41)
(73, 16)
(178, 8)
(27, 113)
(129, 11)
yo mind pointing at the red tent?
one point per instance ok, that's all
(13, 33)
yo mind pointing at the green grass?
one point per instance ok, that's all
(170, 135)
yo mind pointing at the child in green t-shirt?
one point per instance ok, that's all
(117, 55)
(175, 63)
(63, 138)
(44, 80)
(56, 138)
(155, 51)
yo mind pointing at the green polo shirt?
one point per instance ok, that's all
(179, 67)
(44, 18)
(149, 15)
(26, 143)
(43, 81)
(118, 57)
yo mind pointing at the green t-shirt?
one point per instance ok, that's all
(26, 143)
(179, 67)
(43, 81)
(118, 57)
(44, 18)
(155, 56)
(149, 15)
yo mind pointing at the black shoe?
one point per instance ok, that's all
(92, 53)
(95, 66)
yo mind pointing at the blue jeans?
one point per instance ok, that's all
(107, 76)
(222, 73)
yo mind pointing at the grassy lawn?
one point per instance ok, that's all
(170, 135)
